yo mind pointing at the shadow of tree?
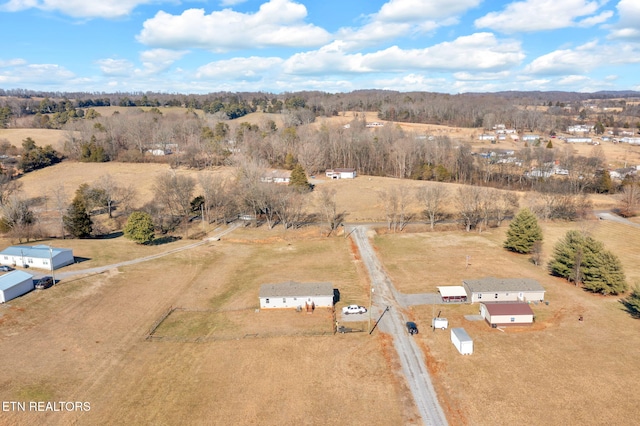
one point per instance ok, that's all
(164, 240)
(631, 309)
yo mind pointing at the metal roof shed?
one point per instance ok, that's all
(14, 284)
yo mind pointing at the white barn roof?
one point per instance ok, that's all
(452, 291)
(12, 278)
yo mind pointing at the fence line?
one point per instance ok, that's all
(156, 324)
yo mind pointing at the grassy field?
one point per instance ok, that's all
(558, 371)
(84, 340)
(217, 357)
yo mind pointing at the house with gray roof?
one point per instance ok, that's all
(292, 294)
(492, 289)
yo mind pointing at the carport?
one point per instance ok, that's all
(453, 293)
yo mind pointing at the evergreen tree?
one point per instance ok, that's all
(299, 178)
(77, 221)
(139, 228)
(604, 183)
(584, 260)
(523, 232)
(632, 303)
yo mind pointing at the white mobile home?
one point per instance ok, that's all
(14, 284)
(292, 294)
(462, 341)
(504, 290)
(39, 256)
(506, 313)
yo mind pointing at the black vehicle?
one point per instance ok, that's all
(412, 328)
(43, 283)
(5, 268)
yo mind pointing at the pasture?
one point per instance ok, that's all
(85, 340)
(217, 357)
(558, 371)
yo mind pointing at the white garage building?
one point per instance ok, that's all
(39, 256)
(292, 294)
(506, 313)
(14, 284)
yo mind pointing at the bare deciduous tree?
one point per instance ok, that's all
(432, 198)
(469, 201)
(328, 208)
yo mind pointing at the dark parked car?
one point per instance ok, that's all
(412, 328)
(5, 268)
(44, 282)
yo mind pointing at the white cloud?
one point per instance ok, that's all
(571, 80)
(398, 18)
(12, 63)
(481, 76)
(583, 59)
(115, 67)
(419, 10)
(410, 82)
(277, 23)
(252, 68)
(78, 8)
(158, 60)
(37, 75)
(537, 15)
(231, 2)
(597, 19)
(480, 51)
(628, 27)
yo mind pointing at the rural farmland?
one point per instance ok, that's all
(181, 335)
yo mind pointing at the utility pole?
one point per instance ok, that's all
(376, 324)
(370, 302)
(53, 277)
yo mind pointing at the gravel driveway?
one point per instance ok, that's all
(393, 322)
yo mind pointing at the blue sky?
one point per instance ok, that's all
(199, 46)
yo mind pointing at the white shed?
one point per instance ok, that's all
(462, 341)
(39, 256)
(506, 313)
(292, 294)
(14, 284)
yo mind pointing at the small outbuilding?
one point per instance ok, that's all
(506, 313)
(14, 284)
(492, 289)
(292, 294)
(453, 293)
(462, 341)
(343, 173)
(39, 256)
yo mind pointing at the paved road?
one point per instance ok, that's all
(411, 357)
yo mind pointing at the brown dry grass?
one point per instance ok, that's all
(41, 137)
(558, 371)
(84, 340)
